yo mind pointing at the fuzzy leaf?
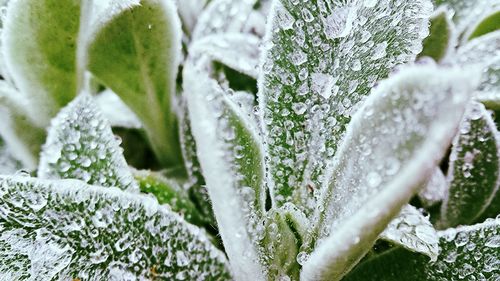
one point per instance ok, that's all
(80, 145)
(435, 190)
(474, 169)
(66, 230)
(468, 253)
(136, 54)
(438, 43)
(40, 54)
(169, 192)
(231, 159)
(489, 24)
(23, 138)
(8, 163)
(484, 52)
(223, 16)
(364, 194)
(411, 230)
(321, 58)
(236, 50)
(116, 111)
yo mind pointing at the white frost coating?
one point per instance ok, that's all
(205, 111)
(435, 189)
(223, 16)
(426, 116)
(80, 145)
(483, 52)
(189, 11)
(319, 61)
(47, 235)
(116, 111)
(236, 50)
(413, 231)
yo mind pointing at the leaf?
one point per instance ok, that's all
(231, 158)
(411, 230)
(116, 111)
(189, 12)
(170, 192)
(8, 163)
(223, 16)
(236, 50)
(468, 253)
(80, 145)
(23, 138)
(136, 54)
(422, 106)
(489, 24)
(435, 190)
(474, 169)
(66, 230)
(483, 52)
(321, 58)
(40, 55)
(438, 43)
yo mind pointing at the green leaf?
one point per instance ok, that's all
(231, 159)
(489, 24)
(223, 16)
(438, 43)
(422, 106)
(66, 230)
(40, 54)
(80, 145)
(321, 58)
(136, 53)
(169, 192)
(411, 230)
(474, 169)
(467, 253)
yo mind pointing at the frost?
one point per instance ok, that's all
(8, 163)
(435, 190)
(236, 50)
(223, 16)
(425, 116)
(414, 232)
(80, 145)
(326, 56)
(116, 111)
(230, 156)
(473, 174)
(467, 253)
(63, 241)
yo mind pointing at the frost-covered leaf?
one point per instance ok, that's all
(231, 159)
(238, 51)
(136, 54)
(439, 41)
(435, 190)
(66, 230)
(40, 55)
(411, 230)
(474, 168)
(483, 52)
(23, 138)
(116, 111)
(189, 12)
(489, 24)
(8, 163)
(80, 145)
(409, 121)
(170, 192)
(223, 16)
(321, 58)
(467, 253)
